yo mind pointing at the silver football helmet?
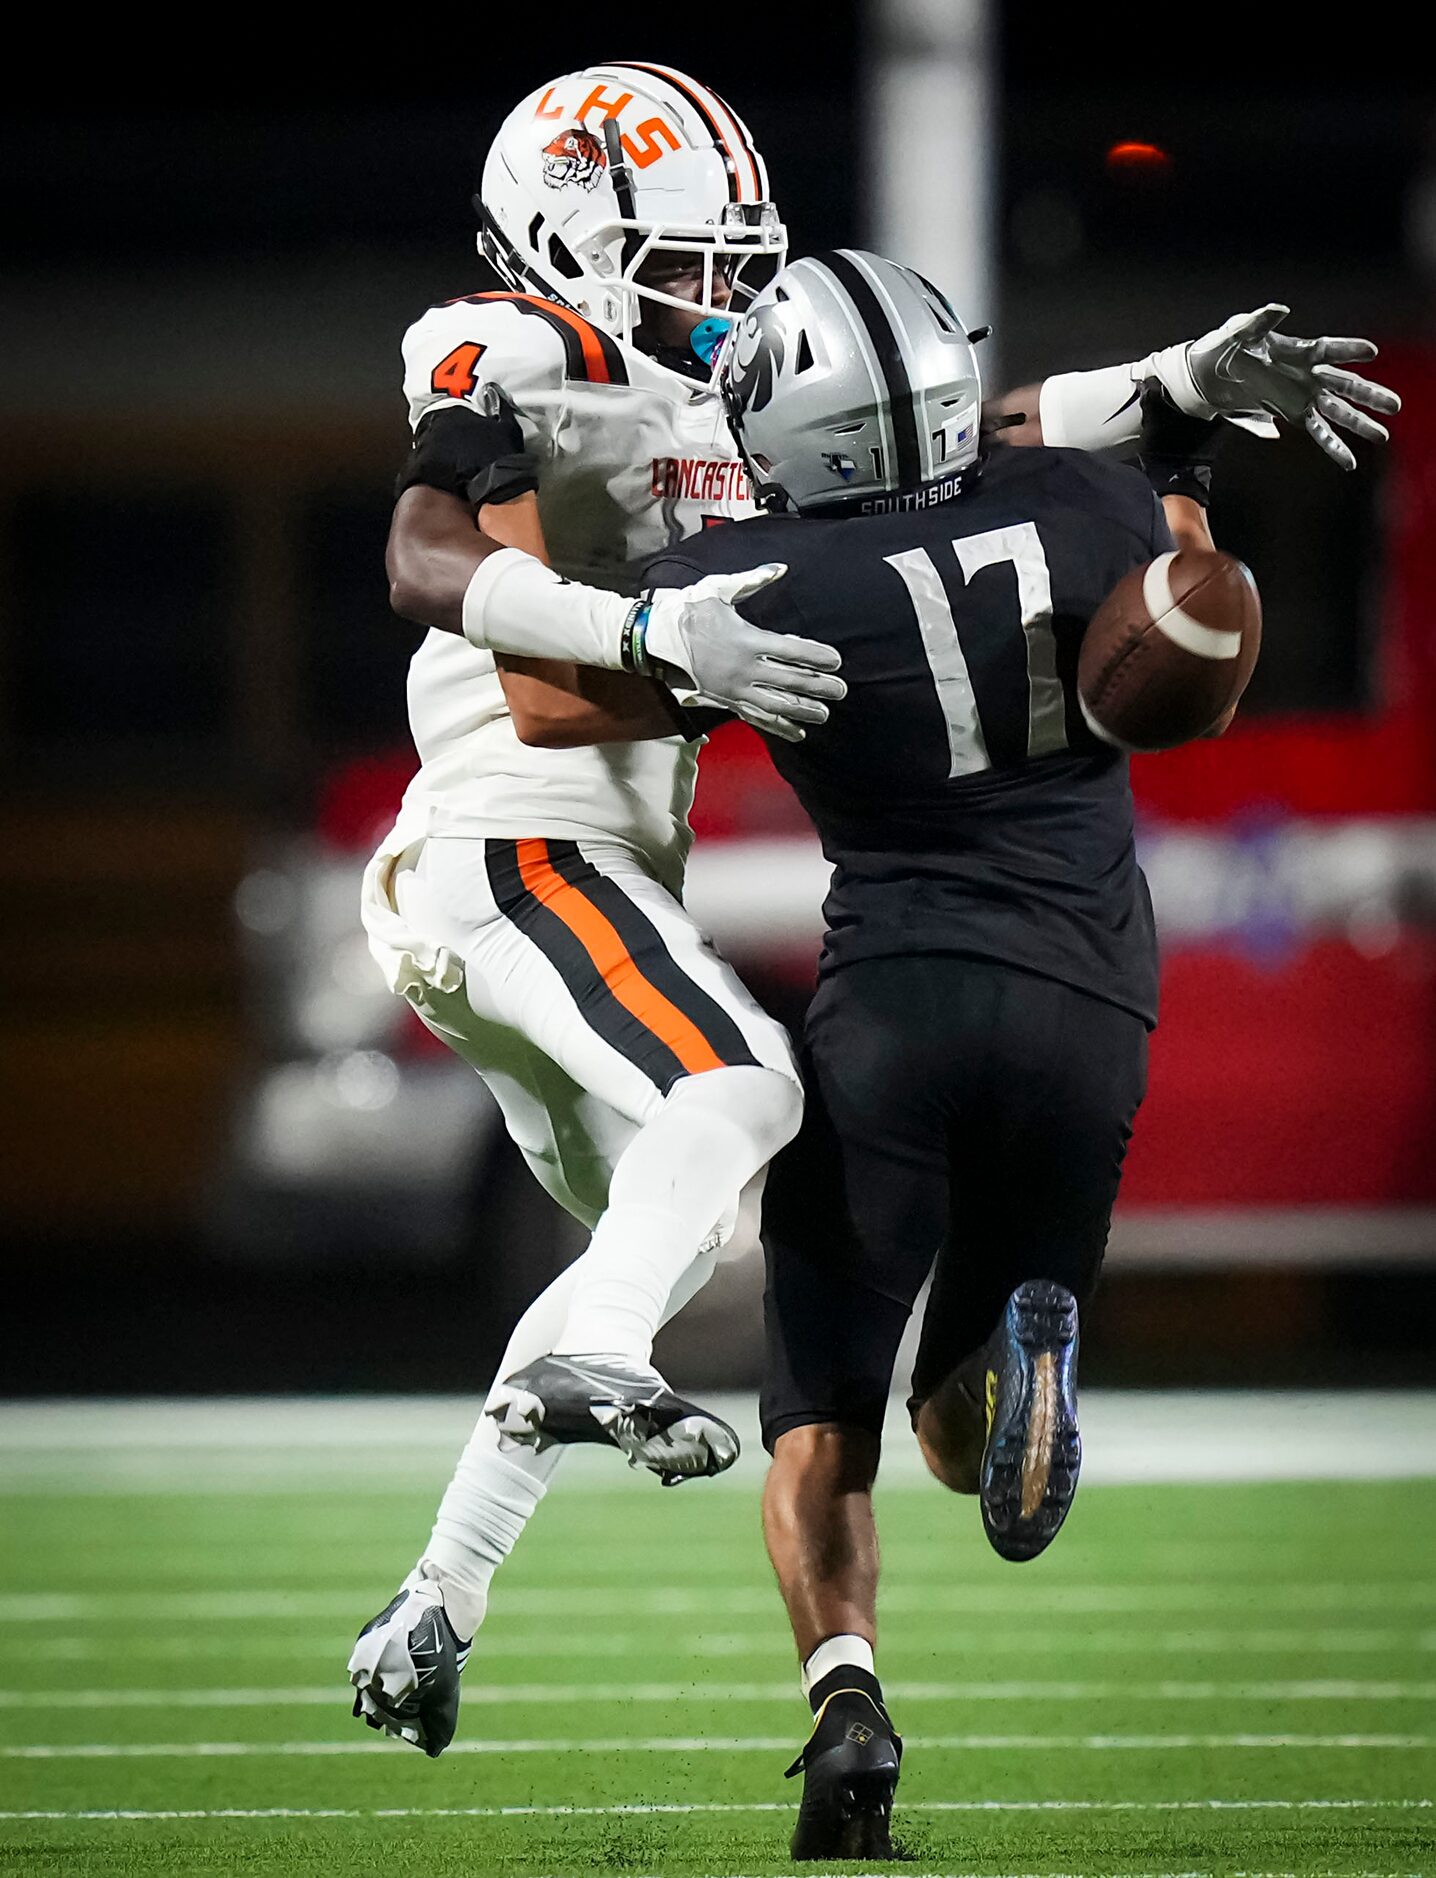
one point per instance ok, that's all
(852, 385)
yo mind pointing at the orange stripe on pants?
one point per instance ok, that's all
(613, 961)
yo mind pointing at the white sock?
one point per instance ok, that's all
(835, 1653)
(670, 1185)
(485, 1507)
(492, 1496)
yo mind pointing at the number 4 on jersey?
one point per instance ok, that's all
(455, 374)
(1046, 711)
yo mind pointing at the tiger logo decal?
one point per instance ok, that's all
(574, 156)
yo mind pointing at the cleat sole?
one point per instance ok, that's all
(693, 1448)
(1034, 1448)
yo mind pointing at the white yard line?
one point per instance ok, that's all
(723, 1807)
(1330, 1689)
(1020, 1599)
(761, 1644)
(297, 1444)
(707, 1744)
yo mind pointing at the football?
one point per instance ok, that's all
(1169, 652)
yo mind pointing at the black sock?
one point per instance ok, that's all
(848, 1676)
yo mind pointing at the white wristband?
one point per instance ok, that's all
(513, 603)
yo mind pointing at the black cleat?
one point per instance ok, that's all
(405, 1669)
(1034, 1450)
(562, 1400)
(850, 1774)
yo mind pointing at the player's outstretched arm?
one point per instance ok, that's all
(1244, 371)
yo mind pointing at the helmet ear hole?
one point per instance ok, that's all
(804, 359)
(563, 259)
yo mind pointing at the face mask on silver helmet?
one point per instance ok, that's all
(852, 386)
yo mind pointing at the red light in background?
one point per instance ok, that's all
(1137, 159)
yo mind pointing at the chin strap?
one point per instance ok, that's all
(621, 176)
(501, 253)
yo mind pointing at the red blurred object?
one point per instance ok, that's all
(359, 800)
(1309, 1085)
(1379, 762)
(739, 792)
(1137, 159)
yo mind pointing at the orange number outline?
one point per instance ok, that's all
(455, 374)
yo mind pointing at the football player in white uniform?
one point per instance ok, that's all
(526, 901)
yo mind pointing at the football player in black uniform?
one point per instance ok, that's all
(976, 1050)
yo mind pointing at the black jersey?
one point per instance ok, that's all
(962, 801)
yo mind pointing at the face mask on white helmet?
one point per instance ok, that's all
(603, 187)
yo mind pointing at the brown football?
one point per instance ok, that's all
(1170, 650)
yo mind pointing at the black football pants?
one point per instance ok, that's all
(963, 1118)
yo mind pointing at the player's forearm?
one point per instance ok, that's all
(1188, 522)
(1077, 410)
(1014, 417)
(446, 572)
(558, 706)
(1099, 409)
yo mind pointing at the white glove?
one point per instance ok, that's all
(1249, 373)
(690, 638)
(705, 651)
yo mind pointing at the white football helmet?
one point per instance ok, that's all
(598, 171)
(851, 384)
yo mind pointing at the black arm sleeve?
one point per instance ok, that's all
(1176, 451)
(467, 454)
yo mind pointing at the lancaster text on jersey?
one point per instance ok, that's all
(700, 479)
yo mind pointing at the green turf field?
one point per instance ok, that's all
(1196, 1679)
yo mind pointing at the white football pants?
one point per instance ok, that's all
(587, 995)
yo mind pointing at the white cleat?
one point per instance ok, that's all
(564, 1400)
(405, 1668)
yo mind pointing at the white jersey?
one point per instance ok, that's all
(630, 458)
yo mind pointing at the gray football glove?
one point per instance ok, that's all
(705, 651)
(1249, 373)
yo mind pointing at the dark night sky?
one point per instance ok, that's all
(267, 152)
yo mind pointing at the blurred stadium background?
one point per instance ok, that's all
(232, 1161)
(233, 1166)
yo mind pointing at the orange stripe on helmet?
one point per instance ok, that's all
(613, 961)
(710, 105)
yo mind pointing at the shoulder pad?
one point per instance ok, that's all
(518, 342)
